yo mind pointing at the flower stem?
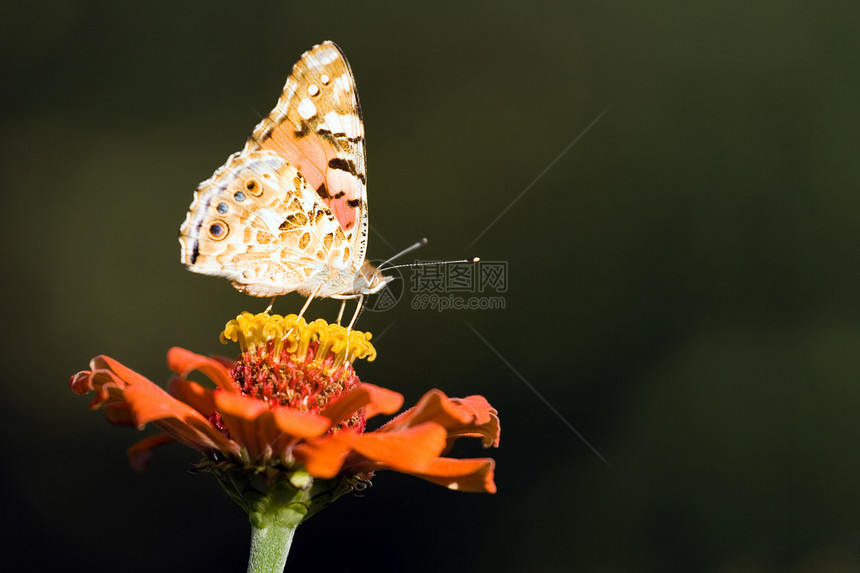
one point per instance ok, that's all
(270, 546)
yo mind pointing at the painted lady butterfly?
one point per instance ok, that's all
(289, 211)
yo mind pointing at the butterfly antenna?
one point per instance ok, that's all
(417, 245)
(429, 263)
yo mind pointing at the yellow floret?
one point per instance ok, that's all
(294, 334)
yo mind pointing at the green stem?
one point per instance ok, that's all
(276, 503)
(270, 546)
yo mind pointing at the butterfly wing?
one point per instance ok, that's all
(317, 127)
(301, 225)
(258, 223)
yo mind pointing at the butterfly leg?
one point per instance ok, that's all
(306, 305)
(271, 304)
(340, 314)
(357, 312)
(308, 302)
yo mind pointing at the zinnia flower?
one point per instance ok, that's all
(283, 429)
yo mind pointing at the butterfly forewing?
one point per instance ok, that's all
(317, 127)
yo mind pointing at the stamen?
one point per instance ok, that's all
(294, 335)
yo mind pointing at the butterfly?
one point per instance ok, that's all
(289, 211)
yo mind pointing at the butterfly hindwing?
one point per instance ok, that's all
(258, 223)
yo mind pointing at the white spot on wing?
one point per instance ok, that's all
(335, 125)
(307, 109)
(325, 79)
(342, 124)
(454, 485)
(343, 83)
(326, 56)
(313, 90)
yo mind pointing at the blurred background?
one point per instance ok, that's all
(681, 290)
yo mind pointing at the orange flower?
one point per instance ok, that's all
(291, 407)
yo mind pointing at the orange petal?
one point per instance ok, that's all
(409, 450)
(176, 418)
(484, 424)
(471, 416)
(120, 413)
(107, 378)
(126, 374)
(462, 475)
(238, 413)
(262, 429)
(193, 394)
(478, 407)
(133, 400)
(281, 426)
(300, 424)
(149, 403)
(324, 457)
(183, 362)
(140, 454)
(377, 400)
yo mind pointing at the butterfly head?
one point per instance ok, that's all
(370, 279)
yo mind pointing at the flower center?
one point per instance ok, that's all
(287, 362)
(284, 380)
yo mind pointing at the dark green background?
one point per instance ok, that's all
(683, 283)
